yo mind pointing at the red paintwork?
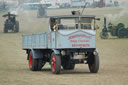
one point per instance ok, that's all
(53, 60)
(80, 45)
(78, 35)
(30, 60)
(75, 41)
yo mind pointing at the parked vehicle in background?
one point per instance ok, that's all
(11, 23)
(34, 6)
(65, 5)
(118, 30)
(54, 6)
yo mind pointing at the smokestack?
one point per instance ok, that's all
(105, 22)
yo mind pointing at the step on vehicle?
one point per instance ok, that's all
(70, 40)
(11, 23)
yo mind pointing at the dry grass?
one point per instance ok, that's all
(13, 64)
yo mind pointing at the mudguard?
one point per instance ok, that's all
(56, 51)
(37, 54)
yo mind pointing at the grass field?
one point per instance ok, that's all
(14, 66)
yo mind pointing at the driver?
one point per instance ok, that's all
(55, 27)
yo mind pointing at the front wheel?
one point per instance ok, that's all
(55, 63)
(93, 63)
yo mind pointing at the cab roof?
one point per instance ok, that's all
(73, 16)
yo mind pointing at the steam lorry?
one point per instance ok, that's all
(11, 23)
(119, 30)
(70, 40)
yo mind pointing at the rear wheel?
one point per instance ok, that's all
(93, 63)
(5, 28)
(16, 26)
(35, 64)
(68, 66)
(104, 35)
(40, 64)
(55, 63)
(122, 33)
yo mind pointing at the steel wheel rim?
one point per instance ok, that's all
(53, 63)
(30, 60)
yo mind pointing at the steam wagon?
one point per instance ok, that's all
(11, 23)
(119, 30)
(70, 40)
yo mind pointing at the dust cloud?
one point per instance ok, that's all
(119, 15)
